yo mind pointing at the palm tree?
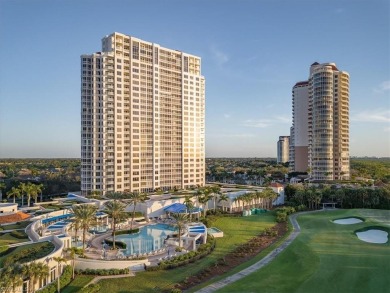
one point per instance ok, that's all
(59, 260)
(14, 192)
(2, 187)
(189, 205)
(11, 278)
(29, 189)
(72, 256)
(75, 225)
(134, 199)
(116, 210)
(85, 214)
(34, 271)
(35, 190)
(181, 220)
(270, 195)
(223, 197)
(215, 192)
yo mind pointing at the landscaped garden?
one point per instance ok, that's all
(237, 231)
(25, 253)
(326, 257)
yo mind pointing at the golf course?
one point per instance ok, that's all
(327, 257)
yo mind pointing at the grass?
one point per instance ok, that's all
(19, 225)
(77, 284)
(7, 238)
(41, 249)
(326, 257)
(237, 230)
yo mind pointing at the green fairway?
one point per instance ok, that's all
(326, 257)
(237, 230)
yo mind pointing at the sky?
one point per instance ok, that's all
(253, 52)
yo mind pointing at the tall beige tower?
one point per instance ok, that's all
(142, 117)
(328, 122)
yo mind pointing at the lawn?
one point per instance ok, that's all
(18, 225)
(237, 230)
(326, 257)
(8, 238)
(26, 253)
(77, 284)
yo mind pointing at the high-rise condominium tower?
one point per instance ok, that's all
(299, 136)
(142, 117)
(283, 146)
(327, 126)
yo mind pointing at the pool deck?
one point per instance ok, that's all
(94, 251)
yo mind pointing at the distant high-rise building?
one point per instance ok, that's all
(142, 117)
(299, 136)
(283, 149)
(322, 130)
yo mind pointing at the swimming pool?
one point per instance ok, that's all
(150, 238)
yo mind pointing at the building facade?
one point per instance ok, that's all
(283, 149)
(320, 128)
(142, 118)
(299, 136)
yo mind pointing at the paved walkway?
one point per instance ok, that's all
(261, 263)
(98, 278)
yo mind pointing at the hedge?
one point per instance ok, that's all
(103, 272)
(119, 244)
(29, 254)
(65, 279)
(18, 235)
(121, 232)
(184, 259)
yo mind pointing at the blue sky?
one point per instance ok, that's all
(253, 52)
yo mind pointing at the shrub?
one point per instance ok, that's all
(103, 272)
(132, 231)
(281, 217)
(119, 244)
(65, 279)
(18, 234)
(29, 254)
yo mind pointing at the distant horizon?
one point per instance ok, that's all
(76, 158)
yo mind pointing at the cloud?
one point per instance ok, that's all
(266, 122)
(219, 56)
(374, 116)
(383, 87)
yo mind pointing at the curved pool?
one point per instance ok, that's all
(150, 238)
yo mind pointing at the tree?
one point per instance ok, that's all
(2, 187)
(85, 214)
(116, 210)
(189, 205)
(181, 221)
(215, 191)
(134, 199)
(35, 189)
(223, 197)
(34, 271)
(14, 192)
(11, 278)
(270, 195)
(203, 198)
(72, 256)
(75, 225)
(29, 189)
(59, 260)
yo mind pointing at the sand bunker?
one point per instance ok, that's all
(347, 221)
(373, 236)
